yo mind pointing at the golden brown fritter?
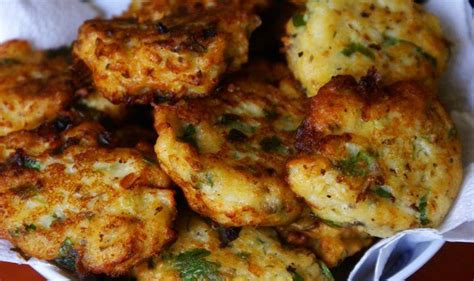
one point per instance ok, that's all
(180, 56)
(34, 86)
(228, 152)
(208, 252)
(336, 37)
(155, 10)
(332, 243)
(385, 158)
(83, 206)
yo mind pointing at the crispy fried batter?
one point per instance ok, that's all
(180, 56)
(34, 86)
(330, 242)
(207, 252)
(384, 158)
(85, 207)
(154, 10)
(348, 37)
(228, 152)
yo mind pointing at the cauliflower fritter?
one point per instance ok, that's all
(383, 158)
(332, 243)
(155, 10)
(86, 207)
(180, 56)
(335, 37)
(34, 86)
(228, 152)
(208, 252)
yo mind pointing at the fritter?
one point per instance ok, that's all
(34, 86)
(208, 252)
(385, 158)
(228, 152)
(348, 37)
(85, 207)
(179, 56)
(331, 242)
(155, 10)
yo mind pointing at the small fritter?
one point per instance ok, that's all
(180, 56)
(208, 252)
(384, 158)
(34, 86)
(155, 10)
(228, 152)
(85, 207)
(332, 243)
(336, 37)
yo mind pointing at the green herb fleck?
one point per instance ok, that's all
(188, 135)
(325, 270)
(273, 144)
(298, 20)
(382, 192)
(330, 222)
(31, 163)
(390, 41)
(9, 61)
(243, 255)
(67, 255)
(422, 209)
(193, 266)
(295, 276)
(356, 165)
(357, 48)
(30, 227)
(452, 133)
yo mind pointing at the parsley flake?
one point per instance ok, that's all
(192, 266)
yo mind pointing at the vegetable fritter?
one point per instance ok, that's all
(332, 243)
(228, 152)
(34, 86)
(386, 158)
(209, 252)
(333, 37)
(83, 206)
(179, 56)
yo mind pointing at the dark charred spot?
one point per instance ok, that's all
(209, 32)
(365, 14)
(26, 191)
(227, 235)
(61, 123)
(105, 139)
(22, 160)
(236, 136)
(68, 143)
(161, 28)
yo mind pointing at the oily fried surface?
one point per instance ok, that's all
(155, 10)
(228, 152)
(206, 252)
(384, 158)
(83, 206)
(180, 56)
(331, 243)
(34, 86)
(335, 37)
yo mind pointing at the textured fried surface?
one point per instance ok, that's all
(255, 254)
(87, 208)
(179, 56)
(348, 37)
(95, 101)
(155, 10)
(330, 242)
(34, 86)
(228, 152)
(384, 158)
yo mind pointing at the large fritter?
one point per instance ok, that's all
(334, 37)
(330, 241)
(85, 207)
(228, 152)
(209, 252)
(383, 158)
(179, 56)
(34, 86)
(154, 10)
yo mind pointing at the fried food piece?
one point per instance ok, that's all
(180, 56)
(384, 158)
(331, 243)
(155, 10)
(34, 86)
(349, 37)
(206, 252)
(228, 152)
(85, 207)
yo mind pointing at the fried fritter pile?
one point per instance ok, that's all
(204, 251)
(34, 86)
(248, 179)
(228, 151)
